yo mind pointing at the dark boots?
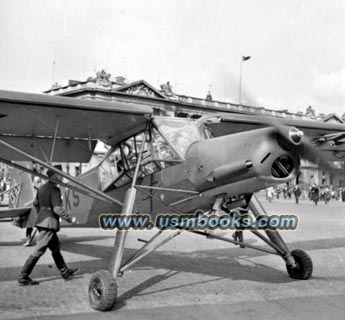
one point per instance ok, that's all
(59, 260)
(66, 273)
(23, 278)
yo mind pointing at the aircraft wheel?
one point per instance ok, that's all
(304, 265)
(102, 290)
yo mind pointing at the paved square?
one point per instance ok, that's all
(190, 277)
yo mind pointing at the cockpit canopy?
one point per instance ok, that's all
(165, 145)
(180, 132)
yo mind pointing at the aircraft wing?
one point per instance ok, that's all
(14, 212)
(328, 137)
(337, 138)
(36, 122)
(234, 123)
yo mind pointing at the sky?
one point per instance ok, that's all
(297, 47)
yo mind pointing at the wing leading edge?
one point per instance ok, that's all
(328, 137)
(235, 123)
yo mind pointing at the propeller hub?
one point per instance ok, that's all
(296, 136)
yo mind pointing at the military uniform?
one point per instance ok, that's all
(50, 210)
(48, 197)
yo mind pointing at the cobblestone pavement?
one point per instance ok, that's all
(191, 277)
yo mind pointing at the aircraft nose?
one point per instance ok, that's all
(295, 136)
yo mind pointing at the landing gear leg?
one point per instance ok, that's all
(102, 286)
(298, 263)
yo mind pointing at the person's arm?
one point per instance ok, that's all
(61, 212)
(58, 208)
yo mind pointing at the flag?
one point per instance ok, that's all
(245, 58)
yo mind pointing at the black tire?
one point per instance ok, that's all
(102, 290)
(304, 265)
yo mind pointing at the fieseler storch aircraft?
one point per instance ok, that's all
(156, 165)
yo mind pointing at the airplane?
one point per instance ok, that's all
(156, 165)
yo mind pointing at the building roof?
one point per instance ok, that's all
(104, 84)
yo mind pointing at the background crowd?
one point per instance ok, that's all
(314, 193)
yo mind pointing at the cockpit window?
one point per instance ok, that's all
(117, 168)
(180, 133)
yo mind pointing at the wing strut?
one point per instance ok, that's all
(68, 177)
(55, 134)
(127, 209)
(35, 173)
(102, 286)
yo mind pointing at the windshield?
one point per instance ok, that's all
(180, 133)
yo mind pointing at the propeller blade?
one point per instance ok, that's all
(293, 139)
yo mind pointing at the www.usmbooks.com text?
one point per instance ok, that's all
(199, 221)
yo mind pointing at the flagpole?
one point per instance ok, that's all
(240, 82)
(53, 76)
(242, 58)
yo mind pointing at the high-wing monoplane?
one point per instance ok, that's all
(158, 165)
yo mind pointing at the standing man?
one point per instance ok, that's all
(50, 209)
(3, 187)
(315, 193)
(270, 194)
(297, 192)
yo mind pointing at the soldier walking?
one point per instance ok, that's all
(50, 209)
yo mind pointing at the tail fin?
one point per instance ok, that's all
(22, 192)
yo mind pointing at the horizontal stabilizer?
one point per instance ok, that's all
(14, 212)
(65, 150)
